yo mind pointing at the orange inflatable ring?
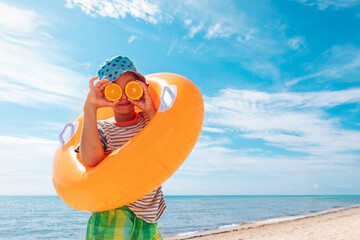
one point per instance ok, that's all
(141, 165)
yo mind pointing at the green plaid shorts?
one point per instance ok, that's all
(120, 223)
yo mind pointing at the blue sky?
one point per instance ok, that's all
(280, 81)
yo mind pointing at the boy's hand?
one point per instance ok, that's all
(145, 103)
(96, 97)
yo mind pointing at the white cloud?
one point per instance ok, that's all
(206, 141)
(219, 31)
(29, 73)
(324, 4)
(246, 29)
(187, 22)
(298, 43)
(194, 30)
(24, 160)
(217, 158)
(131, 38)
(213, 130)
(24, 184)
(263, 68)
(16, 20)
(215, 19)
(256, 42)
(34, 80)
(171, 48)
(214, 167)
(148, 11)
(339, 62)
(247, 37)
(252, 44)
(291, 121)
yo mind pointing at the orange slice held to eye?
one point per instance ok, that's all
(113, 92)
(133, 90)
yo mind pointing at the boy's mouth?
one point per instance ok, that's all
(124, 104)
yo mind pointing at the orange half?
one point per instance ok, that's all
(113, 92)
(133, 90)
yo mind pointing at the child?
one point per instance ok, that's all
(137, 220)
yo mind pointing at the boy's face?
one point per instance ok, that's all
(124, 106)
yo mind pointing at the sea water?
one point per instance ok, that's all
(48, 217)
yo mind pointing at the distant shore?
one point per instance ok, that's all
(337, 224)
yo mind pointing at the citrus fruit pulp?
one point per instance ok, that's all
(113, 92)
(133, 90)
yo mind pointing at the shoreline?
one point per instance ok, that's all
(257, 229)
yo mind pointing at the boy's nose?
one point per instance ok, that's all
(123, 96)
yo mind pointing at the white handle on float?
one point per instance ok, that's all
(167, 97)
(73, 128)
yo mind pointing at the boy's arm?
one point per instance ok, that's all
(91, 149)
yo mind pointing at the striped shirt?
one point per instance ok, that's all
(113, 135)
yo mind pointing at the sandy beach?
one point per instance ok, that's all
(340, 224)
